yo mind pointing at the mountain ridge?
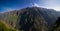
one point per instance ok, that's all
(31, 18)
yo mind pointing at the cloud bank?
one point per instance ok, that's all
(53, 4)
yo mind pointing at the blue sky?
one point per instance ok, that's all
(8, 5)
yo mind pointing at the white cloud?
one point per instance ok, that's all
(35, 4)
(8, 9)
(57, 8)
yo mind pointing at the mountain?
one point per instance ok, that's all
(31, 18)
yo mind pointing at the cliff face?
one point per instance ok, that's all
(31, 18)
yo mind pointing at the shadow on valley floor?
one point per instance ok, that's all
(56, 26)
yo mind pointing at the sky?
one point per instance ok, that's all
(9, 5)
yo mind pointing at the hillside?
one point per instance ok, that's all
(31, 18)
(5, 27)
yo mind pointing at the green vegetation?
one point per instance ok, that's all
(11, 18)
(6, 27)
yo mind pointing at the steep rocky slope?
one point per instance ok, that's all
(31, 18)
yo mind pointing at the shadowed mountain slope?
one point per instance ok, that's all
(56, 26)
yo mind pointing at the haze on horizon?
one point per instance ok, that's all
(8, 5)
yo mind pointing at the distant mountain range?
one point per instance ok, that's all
(31, 18)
